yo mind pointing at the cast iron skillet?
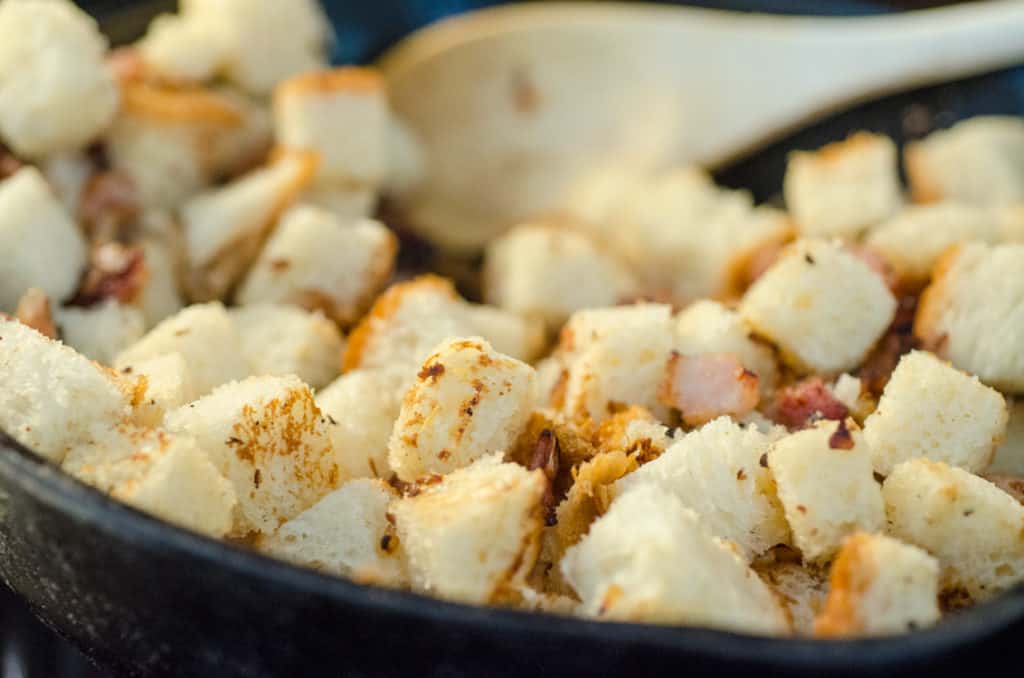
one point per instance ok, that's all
(141, 597)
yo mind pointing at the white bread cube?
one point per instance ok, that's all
(160, 473)
(346, 533)
(56, 93)
(975, 161)
(410, 318)
(279, 340)
(1009, 456)
(616, 356)
(342, 116)
(649, 559)
(205, 336)
(913, 240)
(361, 407)
(880, 586)
(709, 327)
(468, 401)
(42, 246)
(549, 272)
(181, 47)
(973, 312)
(475, 533)
(316, 259)
(348, 203)
(160, 297)
(267, 436)
(266, 41)
(930, 409)
(821, 305)
(826, 485)
(168, 386)
(102, 331)
(407, 163)
(225, 227)
(51, 395)
(843, 188)
(67, 173)
(716, 472)
(975, 529)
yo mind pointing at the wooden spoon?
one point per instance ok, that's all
(516, 104)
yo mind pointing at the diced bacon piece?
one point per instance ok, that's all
(109, 206)
(802, 403)
(704, 387)
(115, 272)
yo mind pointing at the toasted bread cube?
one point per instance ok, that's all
(346, 533)
(826, 485)
(930, 409)
(973, 308)
(168, 386)
(547, 272)
(976, 161)
(267, 436)
(315, 259)
(975, 529)
(879, 586)
(616, 356)
(67, 173)
(649, 559)
(843, 188)
(821, 305)
(468, 401)
(42, 246)
(509, 333)
(205, 336)
(100, 332)
(709, 327)
(51, 395)
(914, 239)
(267, 41)
(160, 297)
(361, 407)
(56, 93)
(225, 227)
(340, 114)
(181, 47)
(474, 533)
(407, 162)
(348, 203)
(1009, 456)
(716, 472)
(280, 340)
(802, 590)
(160, 473)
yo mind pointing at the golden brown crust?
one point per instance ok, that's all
(179, 104)
(932, 304)
(850, 578)
(352, 79)
(922, 188)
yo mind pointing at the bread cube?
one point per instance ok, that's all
(267, 436)
(266, 41)
(346, 533)
(801, 590)
(548, 272)
(167, 386)
(315, 259)
(930, 409)
(340, 114)
(42, 246)
(67, 173)
(826, 486)
(616, 356)
(407, 163)
(225, 227)
(361, 407)
(709, 327)
(51, 395)
(509, 333)
(716, 472)
(468, 401)
(56, 93)
(974, 529)
(821, 305)
(205, 336)
(475, 532)
(160, 297)
(649, 559)
(913, 240)
(280, 340)
(843, 188)
(181, 47)
(880, 587)
(102, 331)
(1009, 456)
(972, 311)
(347, 203)
(160, 473)
(975, 161)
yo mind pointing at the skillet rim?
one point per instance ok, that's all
(47, 483)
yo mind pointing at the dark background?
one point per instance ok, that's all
(364, 28)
